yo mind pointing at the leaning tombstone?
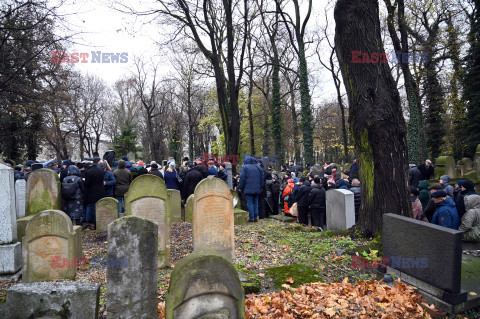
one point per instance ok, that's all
(132, 270)
(49, 250)
(189, 209)
(147, 197)
(340, 209)
(106, 211)
(175, 205)
(204, 285)
(20, 186)
(10, 248)
(213, 222)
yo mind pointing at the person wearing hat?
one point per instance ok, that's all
(94, 191)
(212, 170)
(8, 162)
(199, 166)
(317, 204)
(445, 181)
(192, 178)
(155, 171)
(139, 170)
(467, 188)
(427, 171)
(124, 178)
(471, 220)
(414, 176)
(287, 193)
(170, 177)
(64, 171)
(252, 180)
(446, 214)
(429, 211)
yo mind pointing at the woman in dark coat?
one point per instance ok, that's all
(74, 205)
(275, 193)
(317, 203)
(170, 177)
(94, 191)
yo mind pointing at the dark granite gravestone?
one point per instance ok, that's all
(428, 253)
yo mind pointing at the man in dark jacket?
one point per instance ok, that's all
(414, 176)
(212, 169)
(467, 189)
(262, 198)
(199, 166)
(64, 172)
(252, 180)
(94, 191)
(192, 178)
(427, 170)
(302, 200)
(357, 196)
(109, 181)
(317, 203)
(446, 212)
(430, 209)
(123, 178)
(155, 171)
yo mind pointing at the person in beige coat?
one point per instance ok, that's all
(471, 220)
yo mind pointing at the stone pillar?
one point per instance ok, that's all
(10, 249)
(20, 186)
(228, 166)
(340, 209)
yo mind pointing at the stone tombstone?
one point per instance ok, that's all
(132, 276)
(213, 223)
(43, 191)
(106, 211)
(340, 209)
(49, 248)
(445, 165)
(71, 300)
(466, 165)
(10, 248)
(240, 216)
(236, 199)
(189, 209)
(476, 158)
(204, 285)
(175, 199)
(427, 253)
(228, 167)
(20, 187)
(147, 197)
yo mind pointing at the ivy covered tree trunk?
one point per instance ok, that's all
(306, 110)
(276, 114)
(376, 117)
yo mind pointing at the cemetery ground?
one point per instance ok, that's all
(287, 271)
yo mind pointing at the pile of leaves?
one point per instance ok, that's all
(364, 299)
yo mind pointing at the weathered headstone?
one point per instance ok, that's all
(20, 187)
(340, 209)
(71, 300)
(240, 216)
(213, 223)
(189, 209)
(204, 285)
(426, 254)
(466, 165)
(147, 197)
(236, 199)
(445, 165)
(10, 249)
(106, 211)
(49, 248)
(228, 167)
(132, 279)
(175, 205)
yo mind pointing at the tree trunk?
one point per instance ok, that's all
(190, 119)
(306, 110)
(376, 116)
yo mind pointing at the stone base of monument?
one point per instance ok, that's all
(240, 216)
(77, 235)
(283, 218)
(22, 225)
(11, 278)
(52, 300)
(10, 258)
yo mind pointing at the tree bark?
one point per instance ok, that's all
(375, 114)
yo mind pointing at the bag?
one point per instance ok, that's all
(294, 210)
(179, 179)
(69, 189)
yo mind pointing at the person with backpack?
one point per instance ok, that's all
(72, 194)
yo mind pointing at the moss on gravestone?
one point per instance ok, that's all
(300, 274)
(253, 284)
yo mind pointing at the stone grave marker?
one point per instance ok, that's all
(106, 212)
(132, 276)
(175, 205)
(466, 165)
(213, 222)
(49, 248)
(236, 199)
(147, 197)
(445, 165)
(204, 285)
(20, 187)
(340, 209)
(189, 209)
(240, 216)
(10, 248)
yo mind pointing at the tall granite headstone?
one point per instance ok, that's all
(106, 211)
(20, 188)
(213, 222)
(340, 209)
(147, 197)
(204, 285)
(189, 209)
(175, 205)
(49, 248)
(132, 275)
(10, 248)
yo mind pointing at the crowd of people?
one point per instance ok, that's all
(456, 207)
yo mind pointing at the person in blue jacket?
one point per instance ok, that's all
(251, 184)
(446, 211)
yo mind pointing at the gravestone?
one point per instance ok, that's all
(425, 255)
(204, 285)
(228, 167)
(49, 248)
(189, 209)
(147, 197)
(240, 216)
(445, 165)
(106, 211)
(10, 248)
(236, 199)
(213, 223)
(71, 300)
(175, 199)
(340, 209)
(466, 165)
(132, 284)
(20, 187)
(476, 159)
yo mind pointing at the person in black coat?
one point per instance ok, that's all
(302, 200)
(414, 176)
(357, 196)
(199, 166)
(262, 198)
(317, 203)
(275, 193)
(192, 178)
(94, 190)
(427, 170)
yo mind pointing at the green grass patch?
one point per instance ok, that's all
(300, 274)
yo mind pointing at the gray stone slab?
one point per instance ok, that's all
(427, 252)
(20, 186)
(8, 217)
(10, 258)
(53, 300)
(175, 199)
(340, 209)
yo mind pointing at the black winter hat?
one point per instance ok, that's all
(468, 184)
